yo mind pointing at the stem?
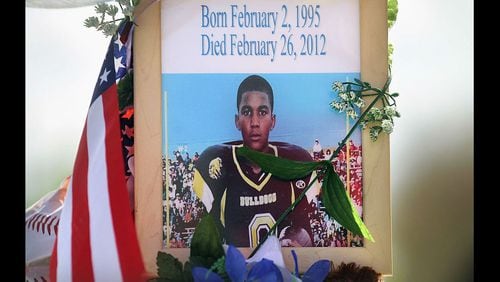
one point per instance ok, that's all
(335, 153)
(112, 21)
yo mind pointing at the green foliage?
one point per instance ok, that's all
(187, 274)
(106, 20)
(392, 12)
(170, 269)
(392, 15)
(339, 206)
(206, 245)
(390, 50)
(206, 251)
(378, 120)
(281, 168)
(91, 22)
(219, 267)
(126, 91)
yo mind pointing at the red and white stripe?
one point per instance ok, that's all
(96, 236)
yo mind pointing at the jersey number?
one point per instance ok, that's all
(259, 226)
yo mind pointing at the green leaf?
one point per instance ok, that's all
(327, 198)
(109, 29)
(339, 206)
(169, 267)
(358, 81)
(91, 22)
(206, 262)
(126, 91)
(128, 11)
(206, 245)
(101, 8)
(112, 10)
(279, 167)
(390, 50)
(187, 274)
(392, 12)
(349, 83)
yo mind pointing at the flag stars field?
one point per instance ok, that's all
(104, 76)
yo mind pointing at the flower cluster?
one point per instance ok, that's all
(266, 265)
(383, 120)
(209, 260)
(350, 99)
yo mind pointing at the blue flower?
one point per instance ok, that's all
(316, 272)
(203, 274)
(266, 265)
(235, 265)
(271, 250)
(265, 270)
(236, 269)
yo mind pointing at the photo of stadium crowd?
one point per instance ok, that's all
(182, 210)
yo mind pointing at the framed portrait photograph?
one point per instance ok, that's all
(215, 76)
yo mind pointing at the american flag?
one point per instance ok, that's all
(96, 239)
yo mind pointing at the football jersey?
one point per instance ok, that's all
(245, 203)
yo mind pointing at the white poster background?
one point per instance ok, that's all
(181, 34)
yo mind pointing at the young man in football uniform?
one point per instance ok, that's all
(244, 200)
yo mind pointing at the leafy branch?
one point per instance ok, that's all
(392, 15)
(333, 193)
(106, 19)
(350, 100)
(392, 12)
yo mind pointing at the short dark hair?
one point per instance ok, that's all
(255, 83)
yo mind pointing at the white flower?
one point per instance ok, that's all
(271, 250)
(363, 124)
(390, 111)
(387, 126)
(375, 113)
(352, 96)
(359, 103)
(343, 96)
(338, 86)
(338, 106)
(374, 133)
(351, 113)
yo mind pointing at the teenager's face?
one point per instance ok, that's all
(255, 119)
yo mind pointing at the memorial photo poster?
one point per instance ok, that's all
(299, 49)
